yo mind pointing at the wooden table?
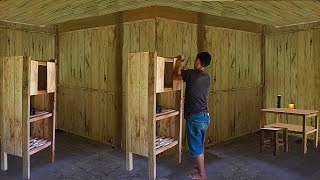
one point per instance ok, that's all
(302, 129)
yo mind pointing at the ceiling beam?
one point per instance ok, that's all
(50, 29)
(153, 12)
(294, 28)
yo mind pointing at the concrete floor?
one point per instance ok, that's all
(80, 158)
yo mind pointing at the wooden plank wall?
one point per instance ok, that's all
(235, 96)
(86, 93)
(38, 45)
(292, 66)
(87, 78)
(86, 83)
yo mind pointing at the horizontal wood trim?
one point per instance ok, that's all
(230, 23)
(86, 23)
(139, 14)
(287, 29)
(153, 12)
(177, 14)
(50, 29)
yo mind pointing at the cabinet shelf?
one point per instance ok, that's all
(40, 115)
(37, 144)
(166, 113)
(164, 143)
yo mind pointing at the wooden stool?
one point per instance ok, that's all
(275, 141)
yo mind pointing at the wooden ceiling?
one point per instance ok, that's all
(45, 12)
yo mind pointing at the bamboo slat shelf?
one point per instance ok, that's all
(166, 114)
(163, 144)
(37, 144)
(293, 128)
(150, 84)
(27, 84)
(40, 115)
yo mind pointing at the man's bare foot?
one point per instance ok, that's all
(197, 176)
(195, 167)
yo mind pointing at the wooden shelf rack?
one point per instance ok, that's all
(27, 84)
(149, 85)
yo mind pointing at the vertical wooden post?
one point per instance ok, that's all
(316, 134)
(200, 32)
(118, 84)
(304, 135)
(263, 65)
(179, 124)
(26, 117)
(152, 115)
(52, 120)
(4, 159)
(129, 158)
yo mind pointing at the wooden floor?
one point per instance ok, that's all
(80, 158)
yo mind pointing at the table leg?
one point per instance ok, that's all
(275, 143)
(316, 134)
(304, 135)
(262, 141)
(285, 140)
(4, 161)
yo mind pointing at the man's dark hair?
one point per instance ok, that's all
(205, 58)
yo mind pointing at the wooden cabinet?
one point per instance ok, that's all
(164, 69)
(43, 77)
(27, 108)
(149, 85)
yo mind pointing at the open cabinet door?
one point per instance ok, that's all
(34, 78)
(176, 83)
(51, 77)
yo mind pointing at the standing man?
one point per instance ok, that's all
(196, 107)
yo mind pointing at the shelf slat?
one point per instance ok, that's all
(166, 114)
(41, 92)
(40, 115)
(37, 145)
(162, 144)
(292, 127)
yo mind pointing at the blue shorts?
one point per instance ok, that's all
(197, 125)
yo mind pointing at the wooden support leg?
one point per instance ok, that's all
(26, 167)
(304, 135)
(129, 160)
(262, 141)
(4, 161)
(275, 143)
(178, 154)
(285, 140)
(51, 127)
(152, 167)
(316, 134)
(51, 149)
